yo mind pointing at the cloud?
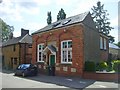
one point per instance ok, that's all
(33, 26)
(16, 33)
(43, 2)
(83, 6)
(26, 3)
(62, 2)
(114, 22)
(13, 9)
(8, 11)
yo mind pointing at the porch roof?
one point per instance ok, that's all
(51, 48)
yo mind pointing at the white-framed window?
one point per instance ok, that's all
(105, 44)
(101, 43)
(66, 51)
(40, 52)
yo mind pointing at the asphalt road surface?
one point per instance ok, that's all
(10, 81)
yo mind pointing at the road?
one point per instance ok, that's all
(11, 81)
(42, 81)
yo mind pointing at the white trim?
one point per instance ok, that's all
(46, 57)
(50, 58)
(38, 53)
(66, 49)
(50, 50)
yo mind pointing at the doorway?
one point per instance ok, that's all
(52, 60)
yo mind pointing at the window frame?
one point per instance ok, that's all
(38, 51)
(65, 49)
(101, 43)
(15, 61)
(105, 44)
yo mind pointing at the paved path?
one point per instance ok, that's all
(44, 81)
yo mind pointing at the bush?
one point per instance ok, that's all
(116, 65)
(89, 66)
(102, 66)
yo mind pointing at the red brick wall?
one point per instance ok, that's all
(101, 76)
(74, 33)
(104, 53)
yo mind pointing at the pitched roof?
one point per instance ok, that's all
(64, 22)
(25, 39)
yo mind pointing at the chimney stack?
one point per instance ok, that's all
(24, 32)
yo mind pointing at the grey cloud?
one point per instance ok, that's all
(25, 3)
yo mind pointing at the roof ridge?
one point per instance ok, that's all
(23, 38)
(74, 19)
(71, 17)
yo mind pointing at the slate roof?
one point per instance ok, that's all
(64, 22)
(51, 48)
(25, 39)
(113, 46)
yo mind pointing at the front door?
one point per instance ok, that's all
(52, 65)
(52, 60)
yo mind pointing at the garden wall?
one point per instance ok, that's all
(102, 76)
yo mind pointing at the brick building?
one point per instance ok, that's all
(67, 44)
(17, 50)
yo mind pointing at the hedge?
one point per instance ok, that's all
(89, 66)
(116, 65)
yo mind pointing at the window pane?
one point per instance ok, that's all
(70, 44)
(40, 52)
(64, 44)
(39, 56)
(64, 56)
(101, 43)
(39, 47)
(69, 56)
(15, 61)
(42, 47)
(104, 43)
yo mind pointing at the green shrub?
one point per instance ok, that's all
(116, 65)
(102, 66)
(89, 66)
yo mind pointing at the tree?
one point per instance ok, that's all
(7, 31)
(61, 15)
(49, 19)
(101, 20)
(111, 39)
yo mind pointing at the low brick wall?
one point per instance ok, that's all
(101, 76)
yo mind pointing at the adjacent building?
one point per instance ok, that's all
(17, 50)
(114, 52)
(67, 44)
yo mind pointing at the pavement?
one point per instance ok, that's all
(71, 82)
(74, 82)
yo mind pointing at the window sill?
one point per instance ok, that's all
(65, 63)
(40, 62)
(103, 49)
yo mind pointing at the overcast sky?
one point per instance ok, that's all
(32, 14)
